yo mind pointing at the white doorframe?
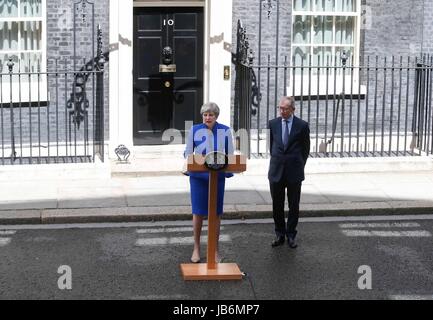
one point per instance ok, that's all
(217, 43)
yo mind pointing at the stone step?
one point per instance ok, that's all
(153, 166)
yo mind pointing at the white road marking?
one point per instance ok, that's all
(411, 297)
(165, 230)
(367, 233)
(7, 232)
(380, 225)
(175, 240)
(4, 241)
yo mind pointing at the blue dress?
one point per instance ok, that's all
(200, 142)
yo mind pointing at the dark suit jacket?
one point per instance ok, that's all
(288, 164)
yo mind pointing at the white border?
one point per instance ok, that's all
(120, 75)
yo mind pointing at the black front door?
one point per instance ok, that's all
(164, 100)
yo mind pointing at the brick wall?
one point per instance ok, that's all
(60, 39)
(393, 27)
(60, 29)
(249, 13)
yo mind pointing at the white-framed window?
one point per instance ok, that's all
(23, 38)
(321, 31)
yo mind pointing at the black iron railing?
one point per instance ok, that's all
(366, 108)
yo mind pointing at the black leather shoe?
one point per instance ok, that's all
(277, 242)
(292, 243)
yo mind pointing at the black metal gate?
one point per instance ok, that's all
(422, 120)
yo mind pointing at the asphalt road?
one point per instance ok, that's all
(367, 258)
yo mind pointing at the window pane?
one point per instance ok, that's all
(301, 55)
(30, 62)
(345, 5)
(4, 59)
(27, 62)
(323, 29)
(324, 5)
(8, 36)
(302, 5)
(322, 56)
(31, 35)
(302, 29)
(31, 8)
(8, 8)
(344, 30)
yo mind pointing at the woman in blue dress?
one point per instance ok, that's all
(204, 138)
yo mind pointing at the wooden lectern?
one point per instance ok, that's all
(212, 270)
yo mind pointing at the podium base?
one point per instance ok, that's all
(200, 271)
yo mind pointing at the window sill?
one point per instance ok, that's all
(24, 104)
(323, 88)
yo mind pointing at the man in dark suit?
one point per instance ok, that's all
(289, 148)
